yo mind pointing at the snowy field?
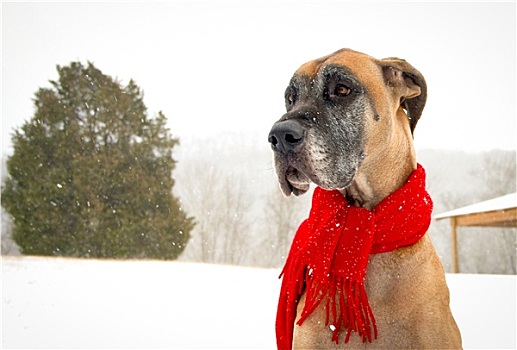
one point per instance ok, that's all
(67, 303)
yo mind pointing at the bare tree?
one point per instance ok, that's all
(214, 188)
(282, 216)
(8, 246)
(197, 195)
(235, 220)
(498, 171)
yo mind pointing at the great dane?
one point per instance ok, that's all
(349, 126)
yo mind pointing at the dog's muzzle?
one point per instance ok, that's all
(286, 136)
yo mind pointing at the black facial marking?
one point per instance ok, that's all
(330, 108)
(338, 79)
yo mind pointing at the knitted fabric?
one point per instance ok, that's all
(330, 251)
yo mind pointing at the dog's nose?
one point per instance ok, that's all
(286, 135)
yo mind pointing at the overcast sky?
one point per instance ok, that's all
(221, 66)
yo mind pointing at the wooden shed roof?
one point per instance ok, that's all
(498, 212)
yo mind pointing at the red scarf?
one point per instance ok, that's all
(330, 251)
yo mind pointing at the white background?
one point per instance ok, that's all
(222, 66)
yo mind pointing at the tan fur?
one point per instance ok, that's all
(406, 288)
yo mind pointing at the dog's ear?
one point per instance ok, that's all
(408, 85)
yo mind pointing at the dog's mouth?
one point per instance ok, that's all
(298, 182)
(294, 181)
(295, 173)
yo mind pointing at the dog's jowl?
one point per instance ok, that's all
(362, 271)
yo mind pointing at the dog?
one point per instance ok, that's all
(349, 127)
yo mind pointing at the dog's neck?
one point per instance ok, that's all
(367, 192)
(379, 176)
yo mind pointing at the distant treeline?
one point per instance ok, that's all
(243, 219)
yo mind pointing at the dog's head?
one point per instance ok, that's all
(342, 110)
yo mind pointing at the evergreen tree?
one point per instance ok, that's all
(91, 173)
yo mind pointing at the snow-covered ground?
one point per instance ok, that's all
(68, 303)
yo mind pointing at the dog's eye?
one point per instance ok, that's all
(342, 90)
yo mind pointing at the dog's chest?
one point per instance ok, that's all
(390, 286)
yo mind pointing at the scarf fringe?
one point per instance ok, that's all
(347, 307)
